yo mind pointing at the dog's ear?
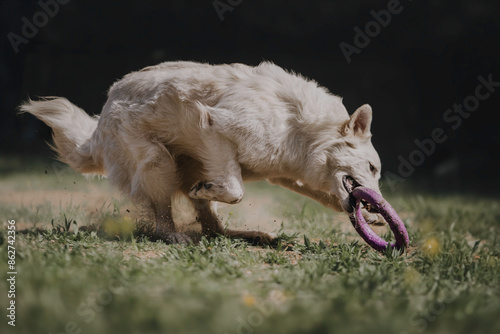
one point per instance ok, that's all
(360, 122)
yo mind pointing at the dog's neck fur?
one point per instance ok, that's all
(316, 138)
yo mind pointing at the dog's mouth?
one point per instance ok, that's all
(349, 185)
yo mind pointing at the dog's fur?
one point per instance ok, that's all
(202, 130)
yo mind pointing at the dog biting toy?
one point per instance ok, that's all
(385, 209)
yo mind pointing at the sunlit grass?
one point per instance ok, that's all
(321, 277)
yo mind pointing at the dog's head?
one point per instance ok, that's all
(351, 159)
(355, 162)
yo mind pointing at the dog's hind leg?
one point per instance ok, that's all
(211, 226)
(165, 227)
(154, 183)
(206, 215)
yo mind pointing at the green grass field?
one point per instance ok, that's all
(321, 278)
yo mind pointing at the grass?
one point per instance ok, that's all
(321, 278)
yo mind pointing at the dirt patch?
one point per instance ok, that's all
(58, 198)
(253, 213)
(257, 211)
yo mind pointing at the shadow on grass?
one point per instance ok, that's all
(120, 229)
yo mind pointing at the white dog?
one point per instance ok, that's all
(202, 130)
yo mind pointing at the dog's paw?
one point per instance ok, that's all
(263, 238)
(201, 190)
(200, 185)
(255, 237)
(214, 192)
(374, 219)
(174, 238)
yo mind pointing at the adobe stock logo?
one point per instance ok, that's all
(453, 118)
(362, 38)
(222, 7)
(40, 19)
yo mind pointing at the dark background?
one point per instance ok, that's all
(427, 59)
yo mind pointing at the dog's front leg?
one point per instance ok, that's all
(211, 226)
(328, 200)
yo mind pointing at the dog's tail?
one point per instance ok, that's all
(72, 132)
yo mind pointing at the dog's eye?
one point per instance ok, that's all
(373, 169)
